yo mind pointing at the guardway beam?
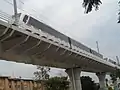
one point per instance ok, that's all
(36, 47)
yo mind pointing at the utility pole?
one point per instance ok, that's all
(15, 12)
(97, 47)
(118, 60)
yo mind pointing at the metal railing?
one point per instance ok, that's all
(5, 17)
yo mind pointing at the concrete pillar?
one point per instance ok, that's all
(74, 75)
(101, 77)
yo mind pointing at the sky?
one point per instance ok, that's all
(68, 17)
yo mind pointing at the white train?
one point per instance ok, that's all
(30, 21)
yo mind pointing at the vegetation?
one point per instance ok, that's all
(88, 84)
(119, 13)
(61, 83)
(90, 4)
(115, 75)
(42, 73)
(57, 83)
(110, 88)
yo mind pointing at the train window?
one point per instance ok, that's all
(25, 18)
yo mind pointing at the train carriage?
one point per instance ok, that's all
(30, 21)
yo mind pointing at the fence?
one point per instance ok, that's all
(5, 17)
(7, 83)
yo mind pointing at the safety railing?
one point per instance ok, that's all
(5, 17)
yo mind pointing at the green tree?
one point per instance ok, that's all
(90, 4)
(106, 82)
(57, 83)
(110, 88)
(42, 73)
(115, 75)
(88, 84)
(119, 13)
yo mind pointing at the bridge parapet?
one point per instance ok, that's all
(6, 17)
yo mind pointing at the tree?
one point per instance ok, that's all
(88, 84)
(57, 83)
(42, 73)
(119, 13)
(115, 75)
(61, 83)
(106, 82)
(89, 4)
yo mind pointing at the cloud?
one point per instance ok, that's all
(16, 69)
(67, 16)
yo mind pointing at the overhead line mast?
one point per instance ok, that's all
(15, 12)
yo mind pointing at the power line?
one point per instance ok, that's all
(12, 5)
(38, 14)
(8, 2)
(21, 1)
(24, 9)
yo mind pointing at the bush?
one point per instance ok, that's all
(88, 84)
(61, 83)
(57, 83)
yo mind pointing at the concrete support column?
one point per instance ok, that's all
(101, 77)
(74, 75)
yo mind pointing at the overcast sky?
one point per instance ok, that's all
(67, 16)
